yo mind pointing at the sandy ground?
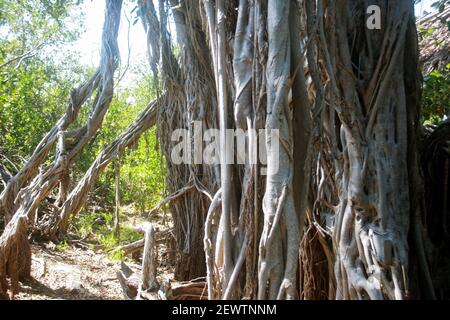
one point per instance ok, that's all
(74, 274)
(78, 273)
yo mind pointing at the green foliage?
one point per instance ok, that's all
(35, 74)
(117, 255)
(436, 96)
(62, 246)
(426, 32)
(142, 168)
(98, 227)
(108, 241)
(436, 85)
(142, 174)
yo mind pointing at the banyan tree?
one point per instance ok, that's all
(338, 208)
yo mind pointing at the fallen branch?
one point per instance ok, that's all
(130, 247)
(170, 198)
(189, 290)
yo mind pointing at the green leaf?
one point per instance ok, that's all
(436, 74)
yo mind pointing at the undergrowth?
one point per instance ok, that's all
(98, 228)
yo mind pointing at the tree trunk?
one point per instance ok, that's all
(15, 236)
(189, 87)
(338, 210)
(362, 180)
(117, 194)
(57, 224)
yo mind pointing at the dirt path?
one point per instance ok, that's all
(74, 274)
